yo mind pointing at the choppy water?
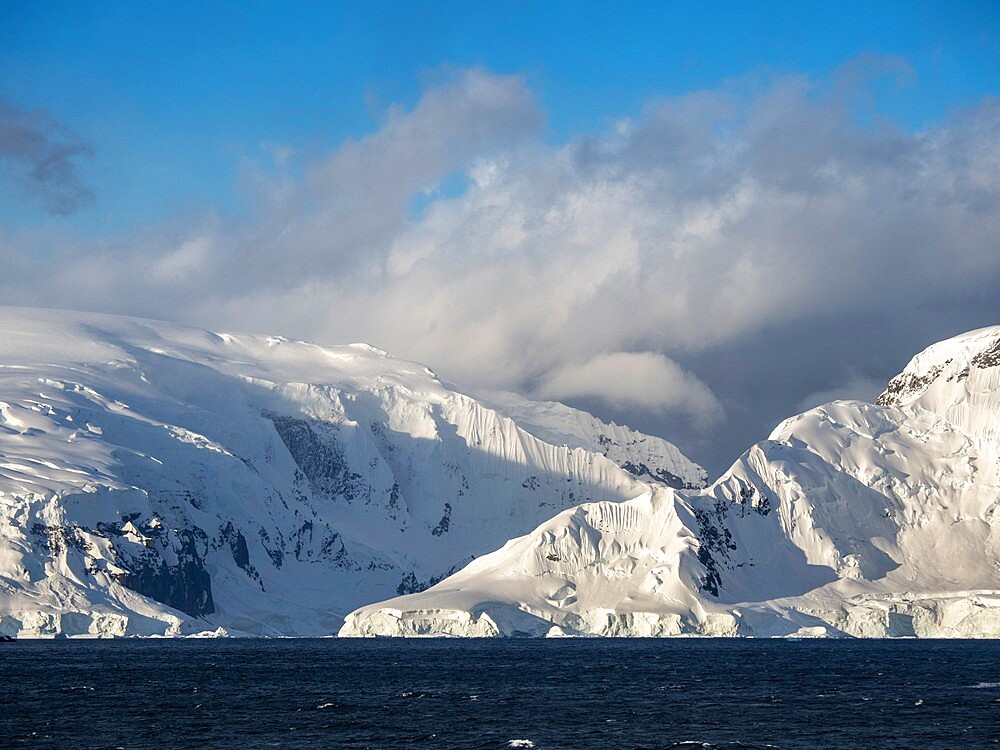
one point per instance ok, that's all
(495, 694)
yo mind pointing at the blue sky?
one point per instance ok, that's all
(172, 97)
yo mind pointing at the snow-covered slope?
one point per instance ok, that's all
(644, 456)
(156, 479)
(852, 518)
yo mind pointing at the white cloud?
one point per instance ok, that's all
(632, 380)
(188, 258)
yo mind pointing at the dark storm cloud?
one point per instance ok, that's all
(40, 156)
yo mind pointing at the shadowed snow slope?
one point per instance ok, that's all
(852, 518)
(156, 479)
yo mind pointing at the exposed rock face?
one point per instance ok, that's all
(156, 479)
(850, 519)
(185, 586)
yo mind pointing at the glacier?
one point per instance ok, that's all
(850, 519)
(160, 480)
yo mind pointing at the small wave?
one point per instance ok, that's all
(520, 743)
(715, 746)
(321, 706)
(985, 685)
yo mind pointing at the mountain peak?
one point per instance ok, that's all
(952, 360)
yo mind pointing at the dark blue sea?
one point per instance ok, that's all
(241, 694)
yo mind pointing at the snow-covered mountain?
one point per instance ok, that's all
(851, 518)
(156, 479)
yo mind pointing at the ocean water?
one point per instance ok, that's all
(686, 693)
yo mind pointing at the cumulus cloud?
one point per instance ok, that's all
(41, 158)
(634, 379)
(340, 222)
(733, 250)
